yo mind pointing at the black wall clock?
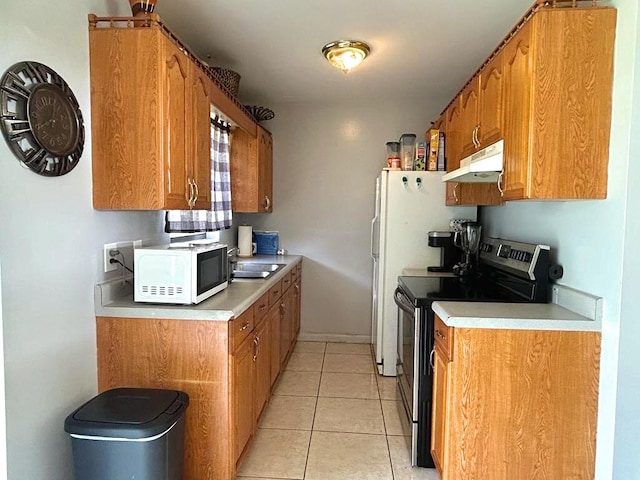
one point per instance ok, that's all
(41, 119)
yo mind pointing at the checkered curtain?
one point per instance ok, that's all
(219, 217)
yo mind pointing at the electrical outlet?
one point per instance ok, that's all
(109, 267)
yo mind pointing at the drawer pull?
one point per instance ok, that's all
(440, 335)
(244, 326)
(263, 306)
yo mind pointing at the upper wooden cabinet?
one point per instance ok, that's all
(481, 109)
(557, 118)
(252, 172)
(547, 92)
(151, 102)
(186, 137)
(454, 127)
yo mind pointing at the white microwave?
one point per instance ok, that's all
(183, 273)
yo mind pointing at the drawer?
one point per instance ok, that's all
(443, 338)
(261, 307)
(275, 293)
(242, 326)
(286, 282)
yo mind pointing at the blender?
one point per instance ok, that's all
(468, 239)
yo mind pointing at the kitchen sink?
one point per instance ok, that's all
(255, 270)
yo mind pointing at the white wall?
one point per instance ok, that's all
(627, 440)
(588, 235)
(50, 247)
(326, 159)
(3, 416)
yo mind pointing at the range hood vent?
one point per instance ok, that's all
(483, 166)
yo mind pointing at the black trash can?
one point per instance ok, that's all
(129, 433)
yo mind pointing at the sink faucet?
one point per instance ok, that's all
(232, 261)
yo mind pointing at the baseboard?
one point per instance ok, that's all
(337, 338)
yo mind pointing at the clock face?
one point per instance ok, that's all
(41, 119)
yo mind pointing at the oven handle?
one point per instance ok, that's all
(403, 302)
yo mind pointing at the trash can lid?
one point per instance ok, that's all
(131, 413)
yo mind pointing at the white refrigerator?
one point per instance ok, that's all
(408, 206)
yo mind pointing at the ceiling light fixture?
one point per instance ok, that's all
(345, 54)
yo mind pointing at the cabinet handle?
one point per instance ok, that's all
(195, 193)
(440, 335)
(190, 193)
(244, 326)
(267, 203)
(474, 136)
(256, 340)
(433, 351)
(263, 307)
(500, 183)
(282, 310)
(455, 193)
(192, 201)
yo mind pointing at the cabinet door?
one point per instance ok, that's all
(244, 172)
(201, 139)
(243, 394)
(439, 410)
(262, 358)
(285, 329)
(291, 314)
(274, 352)
(265, 171)
(469, 117)
(176, 117)
(518, 66)
(490, 103)
(452, 148)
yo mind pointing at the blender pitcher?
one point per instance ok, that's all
(470, 241)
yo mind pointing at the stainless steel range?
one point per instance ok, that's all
(508, 271)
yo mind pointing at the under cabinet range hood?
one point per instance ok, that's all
(483, 166)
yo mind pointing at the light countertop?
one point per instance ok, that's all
(583, 312)
(113, 299)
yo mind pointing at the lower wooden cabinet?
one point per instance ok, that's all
(262, 360)
(440, 404)
(510, 404)
(274, 339)
(243, 366)
(228, 370)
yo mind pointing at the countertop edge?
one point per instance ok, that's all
(114, 298)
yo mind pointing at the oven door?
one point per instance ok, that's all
(414, 374)
(408, 339)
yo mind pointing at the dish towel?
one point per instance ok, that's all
(219, 217)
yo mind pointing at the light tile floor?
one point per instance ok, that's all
(332, 417)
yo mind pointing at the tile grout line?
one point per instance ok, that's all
(384, 421)
(313, 420)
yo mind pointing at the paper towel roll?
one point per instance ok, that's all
(245, 238)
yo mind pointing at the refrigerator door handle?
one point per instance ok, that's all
(374, 255)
